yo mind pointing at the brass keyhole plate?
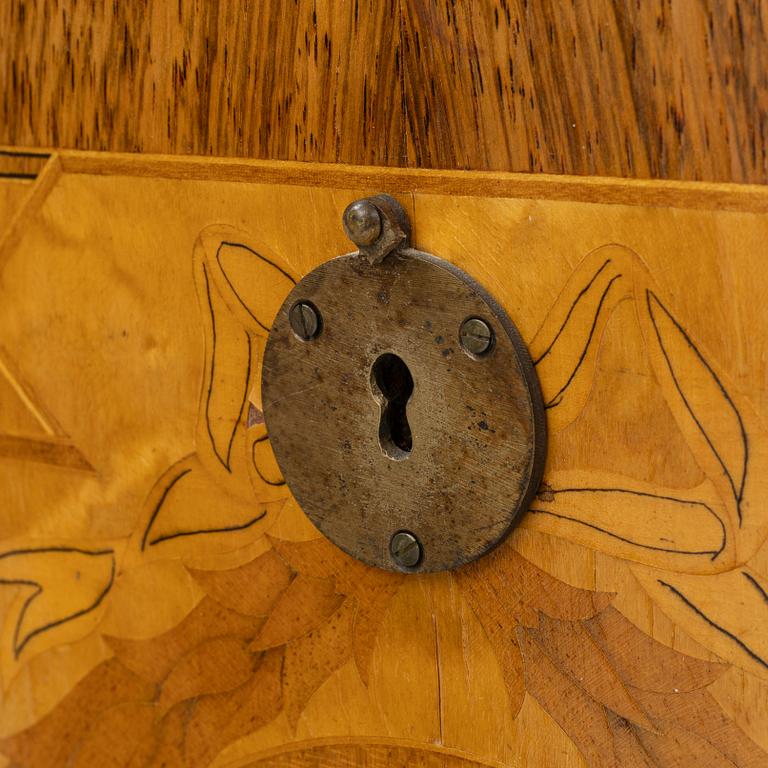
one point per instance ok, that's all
(453, 461)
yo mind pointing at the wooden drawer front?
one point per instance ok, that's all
(166, 602)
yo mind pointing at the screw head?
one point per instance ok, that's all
(405, 549)
(305, 320)
(476, 337)
(362, 222)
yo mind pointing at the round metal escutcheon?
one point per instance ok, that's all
(387, 420)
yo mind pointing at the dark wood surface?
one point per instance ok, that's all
(659, 89)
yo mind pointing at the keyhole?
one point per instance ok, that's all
(392, 383)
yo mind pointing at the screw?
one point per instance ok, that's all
(476, 337)
(362, 222)
(405, 549)
(305, 320)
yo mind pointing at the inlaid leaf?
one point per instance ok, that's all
(574, 652)
(322, 560)
(265, 463)
(306, 603)
(643, 662)
(251, 589)
(506, 591)
(51, 742)
(565, 348)
(166, 745)
(63, 588)
(576, 680)
(577, 713)
(706, 402)
(227, 375)
(371, 612)
(675, 747)
(238, 298)
(727, 612)
(622, 697)
(219, 719)
(154, 658)
(371, 589)
(189, 512)
(105, 743)
(691, 718)
(632, 520)
(313, 658)
(627, 748)
(250, 277)
(214, 666)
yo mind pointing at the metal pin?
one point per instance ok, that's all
(405, 549)
(476, 337)
(362, 222)
(305, 320)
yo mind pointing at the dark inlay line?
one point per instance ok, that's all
(573, 306)
(224, 461)
(613, 535)
(714, 624)
(737, 492)
(22, 176)
(159, 504)
(557, 399)
(24, 153)
(18, 647)
(278, 484)
(756, 584)
(229, 282)
(201, 531)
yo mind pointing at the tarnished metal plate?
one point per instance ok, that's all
(337, 398)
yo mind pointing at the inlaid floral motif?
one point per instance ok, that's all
(278, 610)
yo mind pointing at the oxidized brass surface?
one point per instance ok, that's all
(454, 462)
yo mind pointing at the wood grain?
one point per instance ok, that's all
(282, 80)
(21, 165)
(12, 194)
(364, 755)
(652, 89)
(644, 90)
(164, 600)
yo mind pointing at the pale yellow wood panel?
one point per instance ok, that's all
(165, 601)
(12, 193)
